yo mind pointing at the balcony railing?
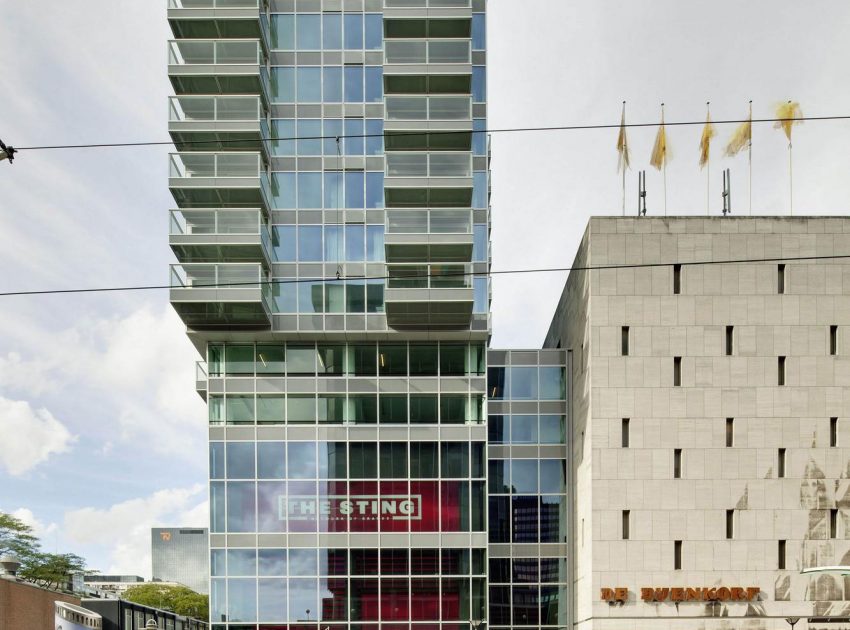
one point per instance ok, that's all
(200, 164)
(428, 108)
(187, 222)
(429, 222)
(185, 52)
(411, 51)
(214, 109)
(447, 164)
(218, 276)
(435, 276)
(434, 4)
(213, 4)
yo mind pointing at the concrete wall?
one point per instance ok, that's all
(692, 417)
(27, 607)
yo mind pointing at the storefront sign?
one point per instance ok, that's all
(689, 594)
(355, 507)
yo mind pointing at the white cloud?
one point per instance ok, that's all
(124, 529)
(30, 436)
(140, 367)
(39, 529)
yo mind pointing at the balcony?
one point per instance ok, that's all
(431, 56)
(449, 164)
(211, 122)
(428, 236)
(429, 8)
(217, 66)
(206, 179)
(201, 379)
(421, 296)
(428, 114)
(218, 18)
(221, 295)
(220, 235)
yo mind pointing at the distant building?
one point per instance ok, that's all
(119, 614)
(181, 555)
(98, 585)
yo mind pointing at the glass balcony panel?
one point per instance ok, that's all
(449, 51)
(192, 165)
(451, 222)
(450, 165)
(448, 3)
(190, 276)
(237, 52)
(238, 108)
(407, 222)
(449, 277)
(191, 52)
(405, 51)
(407, 277)
(238, 222)
(245, 276)
(407, 108)
(407, 164)
(449, 108)
(238, 165)
(213, 4)
(199, 222)
(404, 4)
(200, 370)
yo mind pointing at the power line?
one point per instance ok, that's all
(696, 263)
(110, 145)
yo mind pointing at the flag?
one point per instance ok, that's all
(705, 141)
(743, 136)
(622, 144)
(788, 114)
(659, 150)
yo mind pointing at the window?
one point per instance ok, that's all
(677, 463)
(624, 341)
(677, 555)
(833, 431)
(780, 560)
(833, 523)
(677, 279)
(833, 340)
(729, 338)
(677, 371)
(780, 464)
(780, 377)
(780, 279)
(730, 524)
(626, 514)
(625, 432)
(730, 432)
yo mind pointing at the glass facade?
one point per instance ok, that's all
(352, 472)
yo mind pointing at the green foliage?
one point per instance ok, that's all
(16, 538)
(178, 599)
(49, 570)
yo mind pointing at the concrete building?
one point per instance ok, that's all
(709, 412)
(181, 555)
(119, 614)
(25, 605)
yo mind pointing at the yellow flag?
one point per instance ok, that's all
(742, 137)
(623, 143)
(788, 113)
(705, 141)
(659, 150)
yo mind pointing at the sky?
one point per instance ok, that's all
(102, 435)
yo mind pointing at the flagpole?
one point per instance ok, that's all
(624, 192)
(750, 151)
(707, 164)
(790, 179)
(664, 158)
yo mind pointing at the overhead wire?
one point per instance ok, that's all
(106, 145)
(695, 263)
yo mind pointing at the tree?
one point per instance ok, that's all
(178, 599)
(16, 538)
(51, 570)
